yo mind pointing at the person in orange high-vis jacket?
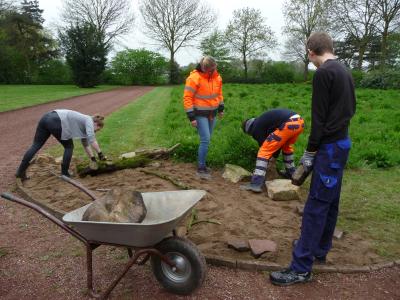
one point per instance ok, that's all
(203, 100)
(275, 130)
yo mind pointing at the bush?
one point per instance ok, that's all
(377, 79)
(139, 66)
(54, 72)
(357, 76)
(278, 72)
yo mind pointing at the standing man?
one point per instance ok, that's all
(333, 105)
(203, 100)
(274, 130)
(65, 125)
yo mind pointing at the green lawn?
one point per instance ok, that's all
(18, 96)
(370, 203)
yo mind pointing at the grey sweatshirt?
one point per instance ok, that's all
(75, 125)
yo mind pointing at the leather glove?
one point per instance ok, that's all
(307, 160)
(102, 156)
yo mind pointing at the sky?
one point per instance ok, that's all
(271, 10)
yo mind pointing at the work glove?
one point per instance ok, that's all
(304, 169)
(93, 163)
(102, 157)
(307, 160)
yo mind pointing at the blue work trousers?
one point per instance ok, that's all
(322, 206)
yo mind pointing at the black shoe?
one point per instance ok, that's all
(284, 173)
(204, 173)
(289, 277)
(317, 259)
(23, 176)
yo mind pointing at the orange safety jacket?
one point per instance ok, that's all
(203, 94)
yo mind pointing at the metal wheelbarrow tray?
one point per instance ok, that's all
(176, 262)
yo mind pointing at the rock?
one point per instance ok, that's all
(119, 205)
(155, 164)
(300, 209)
(258, 247)
(127, 155)
(338, 234)
(282, 190)
(239, 245)
(58, 160)
(235, 173)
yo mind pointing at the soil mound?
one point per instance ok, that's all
(229, 213)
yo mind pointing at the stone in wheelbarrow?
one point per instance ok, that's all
(119, 205)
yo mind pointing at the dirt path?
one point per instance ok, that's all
(39, 261)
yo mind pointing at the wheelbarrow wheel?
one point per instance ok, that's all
(190, 266)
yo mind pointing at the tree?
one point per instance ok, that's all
(356, 20)
(248, 36)
(111, 18)
(174, 24)
(86, 52)
(389, 15)
(32, 11)
(215, 45)
(24, 43)
(302, 17)
(139, 66)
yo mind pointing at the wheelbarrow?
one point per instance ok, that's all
(176, 262)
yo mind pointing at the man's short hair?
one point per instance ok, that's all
(320, 43)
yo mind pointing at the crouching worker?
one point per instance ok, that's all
(274, 130)
(64, 125)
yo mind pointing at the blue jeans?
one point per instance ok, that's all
(322, 206)
(205, 128)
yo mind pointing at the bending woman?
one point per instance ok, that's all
(64, 125)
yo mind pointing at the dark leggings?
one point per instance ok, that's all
(49, 124)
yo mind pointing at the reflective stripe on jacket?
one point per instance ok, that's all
(203, 94)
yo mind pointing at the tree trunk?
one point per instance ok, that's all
(171, 67)
(141, 159)
(305, 71)
(245, 65)
(385, 34)
(361, 51)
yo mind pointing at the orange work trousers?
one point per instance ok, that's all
(283, 138)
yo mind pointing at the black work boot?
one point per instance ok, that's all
(289, 277)
(256, 185)
(21, 172)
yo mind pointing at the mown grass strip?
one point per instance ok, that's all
(18, 96)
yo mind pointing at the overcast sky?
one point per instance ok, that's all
(270, 9)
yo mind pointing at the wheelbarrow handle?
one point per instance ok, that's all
(79, 186)
(46, 214)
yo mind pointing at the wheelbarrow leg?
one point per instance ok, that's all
(89, 264)
(131, 262)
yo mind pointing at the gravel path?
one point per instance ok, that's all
(39, 261)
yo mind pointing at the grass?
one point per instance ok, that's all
(18, 96)
(370, 204)
(136, 125)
